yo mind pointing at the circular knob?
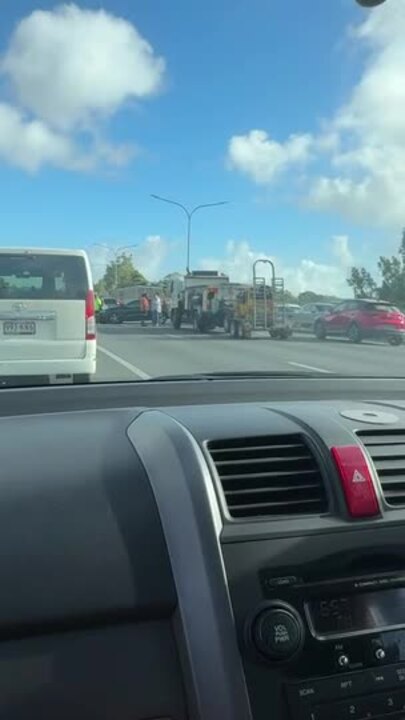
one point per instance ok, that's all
(278, 632)
(380, 654)
(343, 660)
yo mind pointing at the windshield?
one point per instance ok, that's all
(193, 189)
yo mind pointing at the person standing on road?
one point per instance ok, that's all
(165, 310)
(156, 309)
(145, 307)
(98, 301)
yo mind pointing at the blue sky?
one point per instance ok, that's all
(230, 67)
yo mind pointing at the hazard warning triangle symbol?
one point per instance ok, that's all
(358, 477)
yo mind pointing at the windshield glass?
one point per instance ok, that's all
(201, 188)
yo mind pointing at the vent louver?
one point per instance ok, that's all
(387, 451)
(269, 476)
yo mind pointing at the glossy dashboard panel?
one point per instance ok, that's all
(118, 542)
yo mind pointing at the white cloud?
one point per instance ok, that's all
(369, 182)
(112, 155)
(31, 144)
(99, 255)
(149, 256)
(341, 250)
(70, 65)
(262, 159)
(152, 254)
(358, 154)
(307, 274)
(68, 70)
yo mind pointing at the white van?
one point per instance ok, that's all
(47, 314)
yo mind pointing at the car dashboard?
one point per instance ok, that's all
(206, 550)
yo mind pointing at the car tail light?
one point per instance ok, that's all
(90, 316)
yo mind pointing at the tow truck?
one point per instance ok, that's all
(197, 300)
(260, 307)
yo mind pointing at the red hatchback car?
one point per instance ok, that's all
(363, 319)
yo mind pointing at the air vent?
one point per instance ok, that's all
(269, 476)
(387, 451)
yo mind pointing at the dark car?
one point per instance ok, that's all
(127, 312)
(305, 318)
(109, 302)
(363, 319)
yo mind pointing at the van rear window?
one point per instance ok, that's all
(42, 277)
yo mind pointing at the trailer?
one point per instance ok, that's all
(260, 307)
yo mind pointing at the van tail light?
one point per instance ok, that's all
(90, 316)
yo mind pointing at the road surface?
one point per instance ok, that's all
(131, 352)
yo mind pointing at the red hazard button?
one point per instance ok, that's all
(357, 483)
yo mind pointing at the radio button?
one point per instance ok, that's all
(380, 654)
(390, 702)
(327, 689)
(351, 684)
(380, 679)
(316, 713)
(341, 686)
(358, 709)
(306, 692)
(399, 700)
(369, 708)
(278, 633)
(343, 661)
(399, 675)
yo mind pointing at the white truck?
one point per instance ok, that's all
(197, 299)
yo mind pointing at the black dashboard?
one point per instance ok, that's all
(208, 549)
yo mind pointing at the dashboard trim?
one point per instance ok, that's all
(30, 400)
(191, 521)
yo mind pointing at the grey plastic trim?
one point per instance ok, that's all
(191, 521)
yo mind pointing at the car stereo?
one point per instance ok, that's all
(338, 643)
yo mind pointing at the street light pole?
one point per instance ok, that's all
(189, 214)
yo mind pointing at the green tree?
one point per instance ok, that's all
(393, 276)
(393, 279)
(362, 283)
(392, 272)
(119, 273)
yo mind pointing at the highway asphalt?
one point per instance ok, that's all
(131, 352)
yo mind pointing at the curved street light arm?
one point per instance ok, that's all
(172, 202)
(207, 205)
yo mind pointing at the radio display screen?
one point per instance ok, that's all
(364, 612)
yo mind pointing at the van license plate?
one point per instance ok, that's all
(19, 327)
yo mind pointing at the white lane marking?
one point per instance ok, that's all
(310, 367)
(132, 368)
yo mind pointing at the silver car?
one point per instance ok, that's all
(304, 319)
